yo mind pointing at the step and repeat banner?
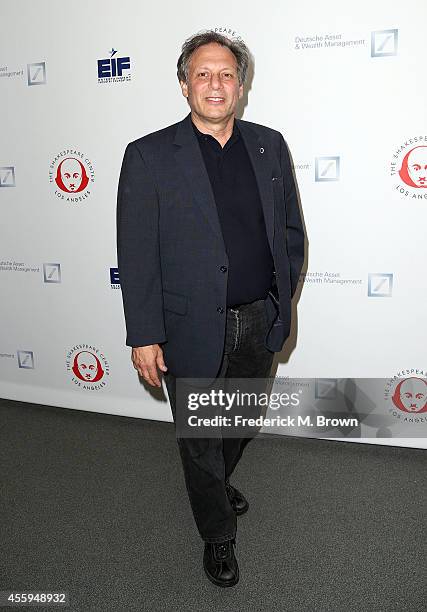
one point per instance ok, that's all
(344, 85)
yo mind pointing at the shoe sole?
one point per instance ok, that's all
(242, 511)
(221, 583)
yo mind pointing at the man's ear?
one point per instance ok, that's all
(240, 91)
(184, 89)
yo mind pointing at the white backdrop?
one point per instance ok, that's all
(346, 87)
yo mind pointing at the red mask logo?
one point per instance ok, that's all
(71, 175)
(414, 167)
(87, 367)
(410, 395)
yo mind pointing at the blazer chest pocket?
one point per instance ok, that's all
(175, 302)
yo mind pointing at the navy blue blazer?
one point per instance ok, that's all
(171, 253)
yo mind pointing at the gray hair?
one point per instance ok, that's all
(237, 47)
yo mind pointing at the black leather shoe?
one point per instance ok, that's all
(220, 563)
(238, 501)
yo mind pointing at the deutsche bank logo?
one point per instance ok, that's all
(26, 360)
(327, 169)
(7, 176)
(113, 67)
(384, 43)
(325, 388)
(52, 272)
(36, 73)
(380, 284)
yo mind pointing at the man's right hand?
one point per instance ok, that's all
(146, 359)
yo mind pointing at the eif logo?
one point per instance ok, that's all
(380, 284)
(36, 73)
(384, 43)
(114, 278)
(52, 272)
(111, 69)
(26, 360)
(327, 169)
(7, 176)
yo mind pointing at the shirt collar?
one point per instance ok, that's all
(201, 135)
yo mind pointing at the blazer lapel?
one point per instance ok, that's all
(261, 162)
(191, 162)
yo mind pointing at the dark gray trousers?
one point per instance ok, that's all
(207, 462)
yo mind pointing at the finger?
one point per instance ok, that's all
(160, 363)
(153, 374)
(140, 365)
(147, 377)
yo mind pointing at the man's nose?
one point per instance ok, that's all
(215, 81)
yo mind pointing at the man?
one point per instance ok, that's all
(210, 247)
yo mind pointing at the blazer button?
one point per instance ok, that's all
(223, 268)
(220, 309)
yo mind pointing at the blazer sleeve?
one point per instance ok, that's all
(138, 255)
(295, 238)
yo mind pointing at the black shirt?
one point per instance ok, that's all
(241, 217)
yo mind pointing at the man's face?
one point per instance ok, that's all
(417, 166)
(213, 87)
